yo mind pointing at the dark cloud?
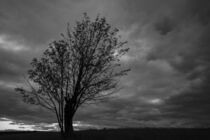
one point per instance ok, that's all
(29, 20)
(200, 10)
(191, 105)
(132, 111)
(12, 106)
(164, 26)
(187, 50)
(12, 66)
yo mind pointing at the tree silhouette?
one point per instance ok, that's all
(82, 67)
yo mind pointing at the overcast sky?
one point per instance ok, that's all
(168, 85)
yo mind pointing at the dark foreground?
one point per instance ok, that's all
(115, 134)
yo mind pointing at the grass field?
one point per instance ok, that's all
(115, 134)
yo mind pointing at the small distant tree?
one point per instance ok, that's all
(82, 67)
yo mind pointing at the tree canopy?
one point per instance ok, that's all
(83, 66)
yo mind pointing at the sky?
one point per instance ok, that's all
(168, 85)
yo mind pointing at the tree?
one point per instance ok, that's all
(82, 67)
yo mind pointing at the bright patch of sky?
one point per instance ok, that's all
(11, 45)
(9, 124)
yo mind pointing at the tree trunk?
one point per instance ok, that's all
(68, 120)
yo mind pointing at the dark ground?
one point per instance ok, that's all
(115, 134)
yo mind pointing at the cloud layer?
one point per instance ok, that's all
(168, 85)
